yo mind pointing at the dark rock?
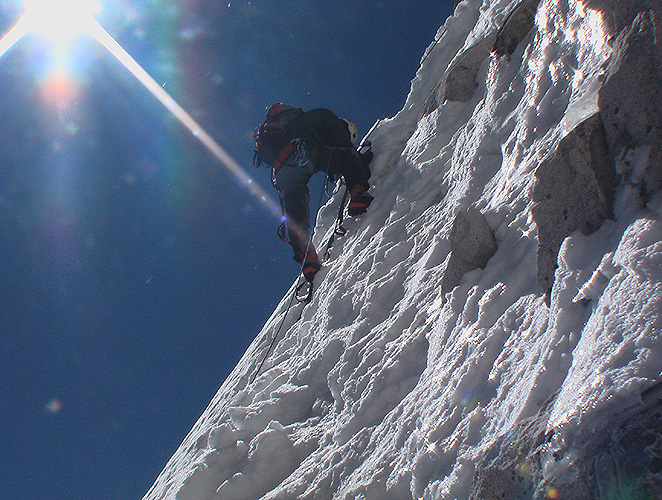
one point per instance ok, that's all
(511, 470)
(432, 102)
(619, 14)
(573, 191)
(472, 246)
(459, 83)
(629, 100)
(621, 458)
(624, 457)
(518, 24)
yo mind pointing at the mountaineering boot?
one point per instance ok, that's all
(310, 270)
(359, 200)
(310, 266)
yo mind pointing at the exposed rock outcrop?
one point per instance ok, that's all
(512, 469)
(573, 191)
(626, 462)
(621, 13)
(472, 246)
(518, 24)
(630, 97)
(460, 79)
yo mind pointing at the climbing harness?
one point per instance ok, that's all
(303, 292)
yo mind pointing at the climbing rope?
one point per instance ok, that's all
(296, 293)
(339, 230)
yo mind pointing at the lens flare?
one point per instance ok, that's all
(59, 88)
(54, 406)
(552, 493)
(183, 116)
(14, 34)
(60, 20)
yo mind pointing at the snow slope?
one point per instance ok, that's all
(491, 327)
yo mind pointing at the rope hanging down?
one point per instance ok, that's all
(339, 229)
(297, 289)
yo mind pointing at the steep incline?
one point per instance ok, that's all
(491, 328)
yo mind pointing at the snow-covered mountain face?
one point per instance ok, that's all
(491, 328)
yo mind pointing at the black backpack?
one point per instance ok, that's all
(271, 138)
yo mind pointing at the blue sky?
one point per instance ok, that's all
(136, 269)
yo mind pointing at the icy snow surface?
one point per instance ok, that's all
(387, 388)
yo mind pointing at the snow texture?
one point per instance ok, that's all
(491, 328)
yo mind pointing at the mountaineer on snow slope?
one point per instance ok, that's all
(297, 145)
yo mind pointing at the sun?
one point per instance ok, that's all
(60, 19)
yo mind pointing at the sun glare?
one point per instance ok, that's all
(183, 116)
(60, 19)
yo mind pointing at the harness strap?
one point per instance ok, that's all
(283, 155)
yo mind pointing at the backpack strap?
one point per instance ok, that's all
(284, 154)
(273, 142)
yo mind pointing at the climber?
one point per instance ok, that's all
(298, 144)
